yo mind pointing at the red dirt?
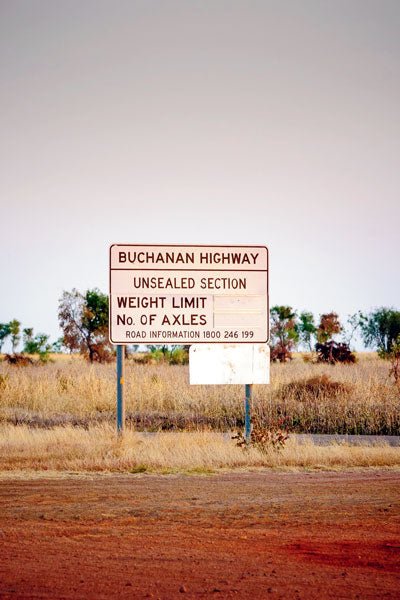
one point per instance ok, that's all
(243, 535)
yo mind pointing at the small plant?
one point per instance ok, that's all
(18, 360)
(157, 356)
(38, 344)
(3, 381)
(171, 355)
(310, 357)
(332, 352)
(263, 438)
(141, 358)
(63, 383)
(179, 356)
(317, 387)
(394, 358)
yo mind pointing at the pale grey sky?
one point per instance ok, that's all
(248, 122)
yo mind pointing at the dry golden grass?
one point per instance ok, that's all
(360, 399)
(99, 449)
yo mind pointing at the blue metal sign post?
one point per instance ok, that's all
(247, 413)
(120, 389)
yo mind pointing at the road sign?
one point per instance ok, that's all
(229, 364)
(175, 294)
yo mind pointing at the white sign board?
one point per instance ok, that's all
(166, 294)
(229, 363)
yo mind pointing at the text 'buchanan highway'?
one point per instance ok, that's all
(186, 258)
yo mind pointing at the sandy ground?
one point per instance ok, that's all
(233, 535)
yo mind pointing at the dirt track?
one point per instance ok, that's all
(247, 535)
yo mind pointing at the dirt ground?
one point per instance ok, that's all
(232, 535)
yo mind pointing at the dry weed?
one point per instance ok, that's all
(99, 449)
(310, 397)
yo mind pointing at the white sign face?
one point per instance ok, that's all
(229, 363)
(188, 294)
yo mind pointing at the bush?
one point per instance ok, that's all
(18, 360)
(394, 358)
(333, 352)
(179, 356)
(313, 388)
(263, 437)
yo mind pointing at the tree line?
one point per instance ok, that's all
(32, 344)
(379, 329)
(83, 319)
(290, 330)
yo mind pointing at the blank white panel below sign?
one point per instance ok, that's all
(229, 363)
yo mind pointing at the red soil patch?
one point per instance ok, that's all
(247, 535)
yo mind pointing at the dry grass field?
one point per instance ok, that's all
(75, 449)
(60, 416)
(307, 398)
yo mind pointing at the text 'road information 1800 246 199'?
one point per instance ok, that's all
(165, 294)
